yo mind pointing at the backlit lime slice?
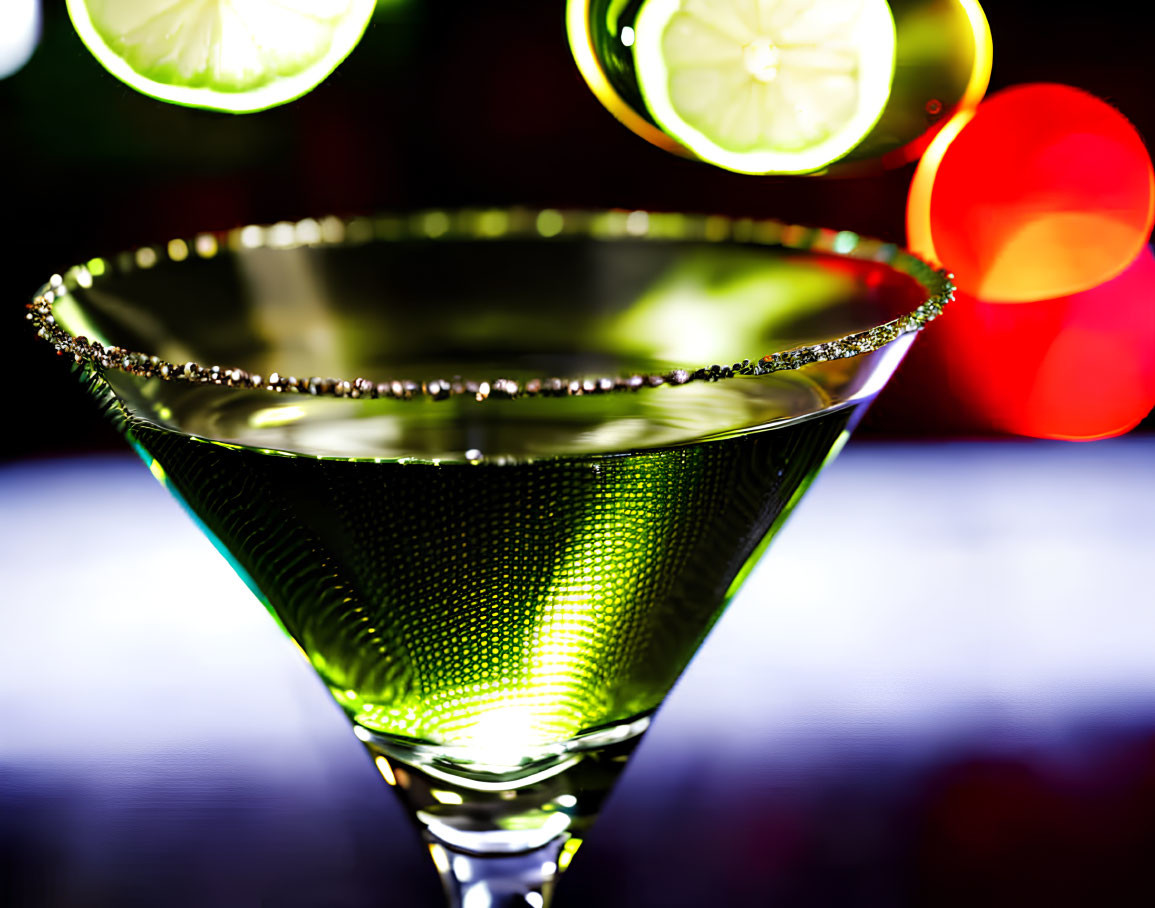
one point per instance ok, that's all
(766, 86)
(232, 55)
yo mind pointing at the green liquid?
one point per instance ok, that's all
(495, 610)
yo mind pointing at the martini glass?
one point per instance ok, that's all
(496, 473)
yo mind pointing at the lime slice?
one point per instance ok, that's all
(766, 86)
(233, 55)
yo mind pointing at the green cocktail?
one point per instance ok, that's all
(501, 550)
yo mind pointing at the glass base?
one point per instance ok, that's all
(499, 839)
(484, 810)
(502, 881)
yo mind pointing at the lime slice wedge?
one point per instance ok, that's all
(233, 55)
(766, 86)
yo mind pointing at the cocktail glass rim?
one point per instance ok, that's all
(488, 225)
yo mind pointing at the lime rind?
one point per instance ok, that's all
(589, 45)
(795, 104)
(176, 52)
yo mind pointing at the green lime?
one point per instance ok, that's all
(232, 55)
(766, 86)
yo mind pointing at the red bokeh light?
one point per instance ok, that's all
(1044, 192)
(1077, 367)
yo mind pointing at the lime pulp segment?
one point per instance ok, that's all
(766, 86)
(233, 55)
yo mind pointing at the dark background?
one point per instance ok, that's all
(443, 103)
(1035, 797)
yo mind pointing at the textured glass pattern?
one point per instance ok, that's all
(496, 610)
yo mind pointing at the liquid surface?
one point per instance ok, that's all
(495, 610)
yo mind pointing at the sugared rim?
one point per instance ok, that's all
(483, 226)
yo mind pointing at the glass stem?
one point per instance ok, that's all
(523, 880)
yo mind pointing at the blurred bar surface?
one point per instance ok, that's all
(937, 689)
